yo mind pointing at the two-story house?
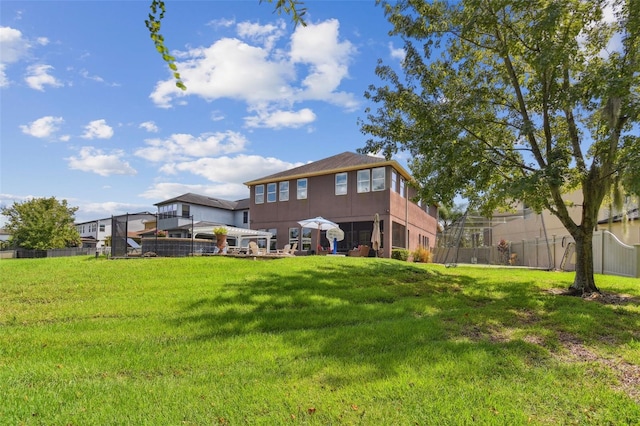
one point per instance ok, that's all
(177, 215)
(348, 189)
(95, 232)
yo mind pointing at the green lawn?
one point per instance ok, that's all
(311, 340)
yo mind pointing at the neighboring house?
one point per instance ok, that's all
(527, 225)
(348, 189)
(177, 215)
(95, 232)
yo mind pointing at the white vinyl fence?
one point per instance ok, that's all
(610, 256)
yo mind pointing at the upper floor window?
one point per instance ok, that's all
(378, 177)
(259, 194)
(271, 193)
(245, 217)
(364, 180)
(186, 210)
(302, 189)
(341, 183)
(402, 187)
(394, 181)
(102, 227)
(284, 191)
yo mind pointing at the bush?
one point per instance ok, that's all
(400, 254)
(422, 255)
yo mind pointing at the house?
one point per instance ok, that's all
(348, 189)
(95, 232)
(178, 215)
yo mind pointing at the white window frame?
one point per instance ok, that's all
(364, 181)
(302, 189)
(341, 187)
(272, 195)
(259, 195)
(284, 190)
(378, 183)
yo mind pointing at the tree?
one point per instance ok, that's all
(42, 223)
(158, 9)
(508, 100)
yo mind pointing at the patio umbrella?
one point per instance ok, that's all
(320, 223)
(375, 235)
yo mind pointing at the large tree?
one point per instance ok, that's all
(512, 100)
(41, 223)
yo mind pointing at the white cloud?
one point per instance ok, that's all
(280, 119)
(96, 161)
(42, 41)
(167, 190)
(43, 127)
(182, 146)
(227, 68)
(238, 169)
(149, 126)
(38, 76)
(397, 53)
(97, 129)
(12, 48)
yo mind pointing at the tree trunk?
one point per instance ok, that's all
(584, 283)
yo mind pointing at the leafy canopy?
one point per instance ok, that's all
(506, 100)
(42, 223)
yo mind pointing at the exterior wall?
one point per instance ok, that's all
(203, 214)
(352, 207)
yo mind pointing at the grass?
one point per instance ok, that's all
(310, 340)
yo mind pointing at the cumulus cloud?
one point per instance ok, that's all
(13, 47)
(97, 129)
(94, 160)
(238, 169)
(281, 119)
(43, 127)
(312, 69)
(38, 77)
(149, 126)
(397, 53)
(184, 146)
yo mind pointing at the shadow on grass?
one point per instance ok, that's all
(384, 314)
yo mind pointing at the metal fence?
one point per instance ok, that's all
(610, 256)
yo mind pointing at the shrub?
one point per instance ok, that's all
(422, 255)
(220, 230)
(400, 254)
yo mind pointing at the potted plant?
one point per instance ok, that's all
(221, 236)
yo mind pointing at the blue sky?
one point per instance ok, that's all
(89, 112)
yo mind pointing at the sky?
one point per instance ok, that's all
(89, 111)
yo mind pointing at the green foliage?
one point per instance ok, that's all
(505, 101)
(158, 10)
(421, 255)
(42, 223)
(220, 230)
(400, 254)
(309, 340)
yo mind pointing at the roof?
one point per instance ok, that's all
(338, 163)
(203, 200)
(632, 214)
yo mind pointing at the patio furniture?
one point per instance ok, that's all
(361, 251)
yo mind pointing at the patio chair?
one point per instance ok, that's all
(292, 250)
(361, 251)
(254, 250)
(285, 250)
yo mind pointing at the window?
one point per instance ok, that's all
(259, 194)
(245, 217)
(186, 210)
(364, 180)
(274, 239)
(284, 191)
(294, 235)
(302, 189)
(341, 183)
(306, 238)
(378, 178)
(402, 187)
(394, 181)
(271, 193)
(102, 227)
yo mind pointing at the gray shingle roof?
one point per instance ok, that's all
(337, 163)
(203, 200)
